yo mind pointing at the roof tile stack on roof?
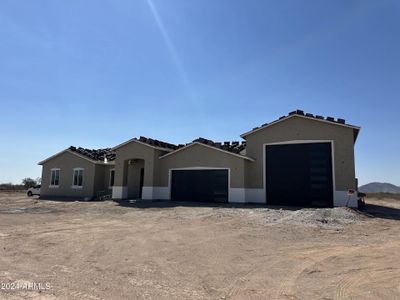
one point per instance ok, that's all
(301, 113)
(297, 112)
(95, 154)
(234, 147)
(157, 143)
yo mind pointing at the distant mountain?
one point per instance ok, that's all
(379, 187)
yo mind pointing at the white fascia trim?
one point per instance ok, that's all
(255, 195)
(298, 116)
(155, 193)
(342, 198)
(208, 146)
(147, 193)
(300, 142)
(76, 154)
(139, 142)
(237, 195)
(119, 192)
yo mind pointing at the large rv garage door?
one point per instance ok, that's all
(199, 185)
(299, 174)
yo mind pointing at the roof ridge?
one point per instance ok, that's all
(156, 143)
(234, 146)
(94, 154)
(301, 113)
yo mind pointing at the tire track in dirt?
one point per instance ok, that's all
(286, 287)
(348, 282)
(80, 295)
(237, 286)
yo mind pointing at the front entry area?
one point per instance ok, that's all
(299, 174)
(204, 185)
(135, 178)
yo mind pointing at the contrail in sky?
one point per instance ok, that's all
(172, 51)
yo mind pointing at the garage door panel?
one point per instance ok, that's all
(199, 185)
(299, 174)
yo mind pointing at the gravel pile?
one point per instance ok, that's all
(313, 217)
(327, 217)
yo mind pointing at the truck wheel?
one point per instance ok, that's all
(29, 194)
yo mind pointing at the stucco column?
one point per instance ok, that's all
(148, 182)
(120, 189)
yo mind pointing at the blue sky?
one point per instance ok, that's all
(96, 73)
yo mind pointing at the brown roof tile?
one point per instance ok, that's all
(95, 154)
(234, 147)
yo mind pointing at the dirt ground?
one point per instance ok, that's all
(166, 250)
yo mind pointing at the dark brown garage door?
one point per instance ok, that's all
(199, 185)
(299, 174)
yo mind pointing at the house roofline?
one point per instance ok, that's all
(355, 128)
(76, 154)
(139, 142)
(208, 146)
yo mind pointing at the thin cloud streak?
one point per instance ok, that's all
(173, 52)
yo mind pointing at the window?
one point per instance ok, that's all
(55, 178)
(112, 174)
(77, 180)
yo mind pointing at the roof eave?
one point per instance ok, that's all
(244, 135)
(139, 142)
(356, 132)
(97, 162)
(208, 146)
(51, 157)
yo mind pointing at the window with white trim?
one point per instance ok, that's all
(112, 175)
(77, 180)
(55, 177)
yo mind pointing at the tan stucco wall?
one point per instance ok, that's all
(136, 150)
(102, 178)
(243, 173)
(67, 162)
(200, 156)
(303, 129)
(95, 178)
(107, 173)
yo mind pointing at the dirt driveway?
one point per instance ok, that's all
(165, 250)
